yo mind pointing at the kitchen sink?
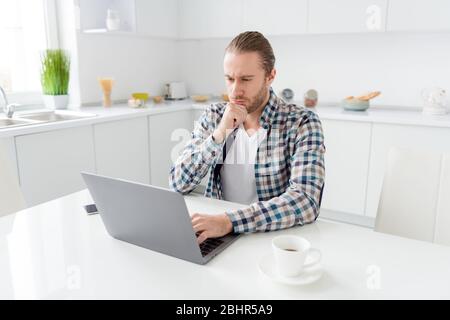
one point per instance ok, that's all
(8, 123)
(50, 116)
(29, 118)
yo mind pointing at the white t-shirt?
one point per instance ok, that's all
(237, 174)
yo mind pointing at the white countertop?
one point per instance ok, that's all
(116, 112)
(384, 114)
(55, 250)
(375, 114)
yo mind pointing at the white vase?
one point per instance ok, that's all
(56, 102)
(113, 24)
(112, 20)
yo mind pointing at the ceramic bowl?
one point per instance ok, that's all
(200, 98)
(157, 99)
(355, 104)
(140, 95)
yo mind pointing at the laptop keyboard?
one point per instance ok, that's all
(207, 246)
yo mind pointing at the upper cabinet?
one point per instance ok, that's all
(347, 16)
(227, 18)
(283, 17)
(157, 18)
(209, 18)
(203, 19)
(418, 15)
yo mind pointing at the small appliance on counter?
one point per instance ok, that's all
(175, 91)
(435, 101)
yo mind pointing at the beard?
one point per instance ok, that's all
(256, 101)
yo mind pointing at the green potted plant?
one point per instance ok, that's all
(55, 76)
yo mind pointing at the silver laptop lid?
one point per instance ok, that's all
(123, 207)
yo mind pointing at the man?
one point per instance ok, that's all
(279, 149)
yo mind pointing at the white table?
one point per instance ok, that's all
(55, 250)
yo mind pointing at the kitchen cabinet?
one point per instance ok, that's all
(331, 16)
(209, 19)
(144, 147)
(168, 134)
(50, 162)
(198, 113)
(157, 18)
(347, 163)
(9, 150)
(385, 136)
(418, 15)
(204, 182)
(201, 19)
(282, 17)
(121, 149)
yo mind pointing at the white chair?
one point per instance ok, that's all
(11, 198)
(414, 201)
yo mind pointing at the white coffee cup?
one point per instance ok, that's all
(290, 254)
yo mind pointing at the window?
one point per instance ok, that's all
(23, 37)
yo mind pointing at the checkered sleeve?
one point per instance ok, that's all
(299, 204)
(200, 153)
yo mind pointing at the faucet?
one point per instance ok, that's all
(8, 109)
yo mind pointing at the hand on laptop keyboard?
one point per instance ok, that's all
(211, 226)
(209, 245)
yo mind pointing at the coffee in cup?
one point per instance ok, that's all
(290, 254)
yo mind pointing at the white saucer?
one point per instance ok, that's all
(309, 275)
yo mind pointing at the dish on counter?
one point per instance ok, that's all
(359, 103)
(157, 99)
(225, 97)
(141, 96)
(200, 98)
(138, 99)
(355, 105)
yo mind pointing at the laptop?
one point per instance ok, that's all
(151, 217)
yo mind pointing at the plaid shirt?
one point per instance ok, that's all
(289, 166)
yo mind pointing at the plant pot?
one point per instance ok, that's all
(56, 102)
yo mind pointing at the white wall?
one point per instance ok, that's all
(136, 63)
(398, 64)
(67, 40)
